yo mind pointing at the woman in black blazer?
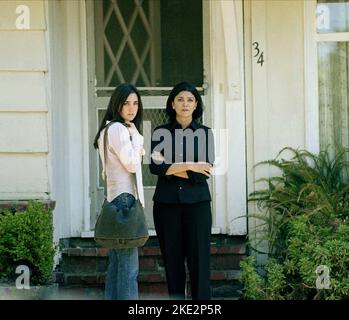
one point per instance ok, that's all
(182, 158)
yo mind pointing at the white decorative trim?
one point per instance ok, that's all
(48, 81)
(232, 30)
(84, 101)
(228, 113)
(68, 110)
(311, 97)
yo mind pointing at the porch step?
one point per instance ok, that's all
(83, 265)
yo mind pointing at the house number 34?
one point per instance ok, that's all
(259, 55)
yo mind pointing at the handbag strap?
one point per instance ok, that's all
(105, 138)
(105, 177)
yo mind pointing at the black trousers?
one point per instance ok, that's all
(184, 232)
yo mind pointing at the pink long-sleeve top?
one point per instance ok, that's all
(124, 158)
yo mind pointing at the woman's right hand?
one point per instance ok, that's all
(200, 167)
(132, 128)
(136, 138)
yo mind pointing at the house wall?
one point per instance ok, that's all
(43, 113)
(41, 110)
(275, 92)
(24, 121)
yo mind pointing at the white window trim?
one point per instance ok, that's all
(332, 37)
(311, 96)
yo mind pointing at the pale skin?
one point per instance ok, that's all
(184, 105)
(129, 111)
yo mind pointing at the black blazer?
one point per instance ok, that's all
(194, 143)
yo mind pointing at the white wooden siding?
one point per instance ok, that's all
(25, 132)
(22, 51)
(22, 91)
(25, 176)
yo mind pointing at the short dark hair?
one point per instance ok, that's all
(116, 102)
(179, 87)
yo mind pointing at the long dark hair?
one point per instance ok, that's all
(115, 105)
(179, 87)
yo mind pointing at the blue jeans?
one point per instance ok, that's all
(121, 281)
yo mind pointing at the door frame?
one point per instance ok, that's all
(225, 110)
(226, 97)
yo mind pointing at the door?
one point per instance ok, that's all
(151, 43)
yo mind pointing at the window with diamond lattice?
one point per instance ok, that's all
(149, 43)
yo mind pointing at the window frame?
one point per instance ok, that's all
(311, 77)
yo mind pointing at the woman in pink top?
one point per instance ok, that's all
(124, 156)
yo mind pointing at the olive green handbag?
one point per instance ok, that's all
(120, 229)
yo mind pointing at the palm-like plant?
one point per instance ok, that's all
(309, 184)
(304, 214)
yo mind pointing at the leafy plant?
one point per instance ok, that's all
(258, 287)
(305, 221)
(26, 238)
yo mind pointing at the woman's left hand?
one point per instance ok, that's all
(200, 167)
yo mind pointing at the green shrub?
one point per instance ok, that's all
(306, 222)
(26, 238)
(258, 287)
(253, 282)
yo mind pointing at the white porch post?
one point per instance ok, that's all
(68, 101)
(228, 112)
